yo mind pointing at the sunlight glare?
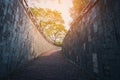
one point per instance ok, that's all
(60, 5)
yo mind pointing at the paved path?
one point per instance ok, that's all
(50, 66)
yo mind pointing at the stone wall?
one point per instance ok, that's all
(93, 42)
(20, 41)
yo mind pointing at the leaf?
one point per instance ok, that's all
(51, 23)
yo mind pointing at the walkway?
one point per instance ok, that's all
(50, 66)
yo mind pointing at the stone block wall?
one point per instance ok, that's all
(93, 42)
(20, 41)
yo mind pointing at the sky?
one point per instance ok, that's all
(63, 6)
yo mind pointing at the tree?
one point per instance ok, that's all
(51, 24)
(56, 33)
(78, 5)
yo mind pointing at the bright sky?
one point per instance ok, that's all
(63, 7)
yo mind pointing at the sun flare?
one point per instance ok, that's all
(62, 6)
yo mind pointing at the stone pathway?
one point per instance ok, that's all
(51, 65)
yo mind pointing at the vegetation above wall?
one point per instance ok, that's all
(51, 24)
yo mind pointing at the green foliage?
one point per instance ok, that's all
(51, 24)
(78, 5)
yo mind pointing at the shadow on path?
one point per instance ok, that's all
(51, 65)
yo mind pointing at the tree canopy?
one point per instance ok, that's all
(51, 24)
(78, 5)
